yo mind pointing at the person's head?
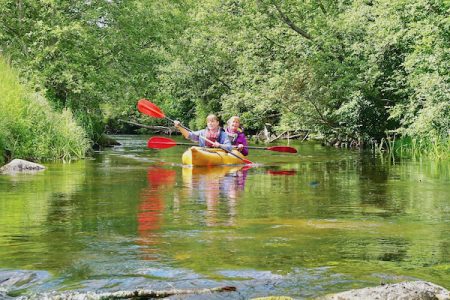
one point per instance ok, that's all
(234, 123)
(212, 122)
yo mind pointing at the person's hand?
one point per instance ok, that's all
(216, 145)
(240, 147)
(176, 123)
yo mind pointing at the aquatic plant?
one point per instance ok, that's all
(437, 148)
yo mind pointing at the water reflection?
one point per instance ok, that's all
(207, 195)
(216, 186)
(151, 207)
(281, 172)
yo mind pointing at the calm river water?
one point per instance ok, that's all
(300, 225)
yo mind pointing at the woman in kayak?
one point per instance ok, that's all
(236, 135)
(212, 136)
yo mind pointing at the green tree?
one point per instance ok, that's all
(355, 69)
(95, 57)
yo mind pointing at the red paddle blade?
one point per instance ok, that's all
(247, 161)
(150, 109)
(159, 142)
(282, 149)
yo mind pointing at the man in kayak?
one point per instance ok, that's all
(236, 135)
(212, 136)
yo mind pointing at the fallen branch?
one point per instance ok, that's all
(297, 135)
(277, 137)
(156, 128)
(306, 136)
(144, 294)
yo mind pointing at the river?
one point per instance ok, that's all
(300, 225)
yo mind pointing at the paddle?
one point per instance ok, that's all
(286, 149)
(159, 142)
(150, 109)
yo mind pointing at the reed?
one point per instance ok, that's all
(30, 128)
(407, 147)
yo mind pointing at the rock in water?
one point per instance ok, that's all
(20, 165)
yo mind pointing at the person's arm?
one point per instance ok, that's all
(195, 137)
(190, 135)
(183, 131)
(224, 141)
(242, 140)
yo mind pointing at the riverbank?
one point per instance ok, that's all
(14, 285)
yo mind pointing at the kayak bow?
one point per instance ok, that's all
(198, 156)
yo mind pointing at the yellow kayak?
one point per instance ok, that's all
(198, 156)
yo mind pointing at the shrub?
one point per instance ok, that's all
(30, 128)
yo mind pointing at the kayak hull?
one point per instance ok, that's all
(198, 156)
(210, 172)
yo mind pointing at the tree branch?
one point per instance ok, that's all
(167, 130)
(273, 42)
(321, 116)
(290, 23)
(224, 83)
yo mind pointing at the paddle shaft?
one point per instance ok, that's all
(258, 148)
(191, 144)
(209, 141)
(173, 144)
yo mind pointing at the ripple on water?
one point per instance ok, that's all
(11, 280)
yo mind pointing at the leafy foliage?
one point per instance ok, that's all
(31, 129)
(90, 56)
(358, 69)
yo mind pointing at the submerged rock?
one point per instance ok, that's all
(20, 165)
(12, 281)
(410, 290)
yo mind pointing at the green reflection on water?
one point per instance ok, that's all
(136, 212)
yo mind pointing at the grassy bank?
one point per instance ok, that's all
(30, 128)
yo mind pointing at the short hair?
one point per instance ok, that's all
(232, 119)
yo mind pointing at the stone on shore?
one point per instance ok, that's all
(409, 290)
(21, 166)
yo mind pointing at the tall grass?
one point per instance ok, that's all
(30, 128)
(408, 147)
